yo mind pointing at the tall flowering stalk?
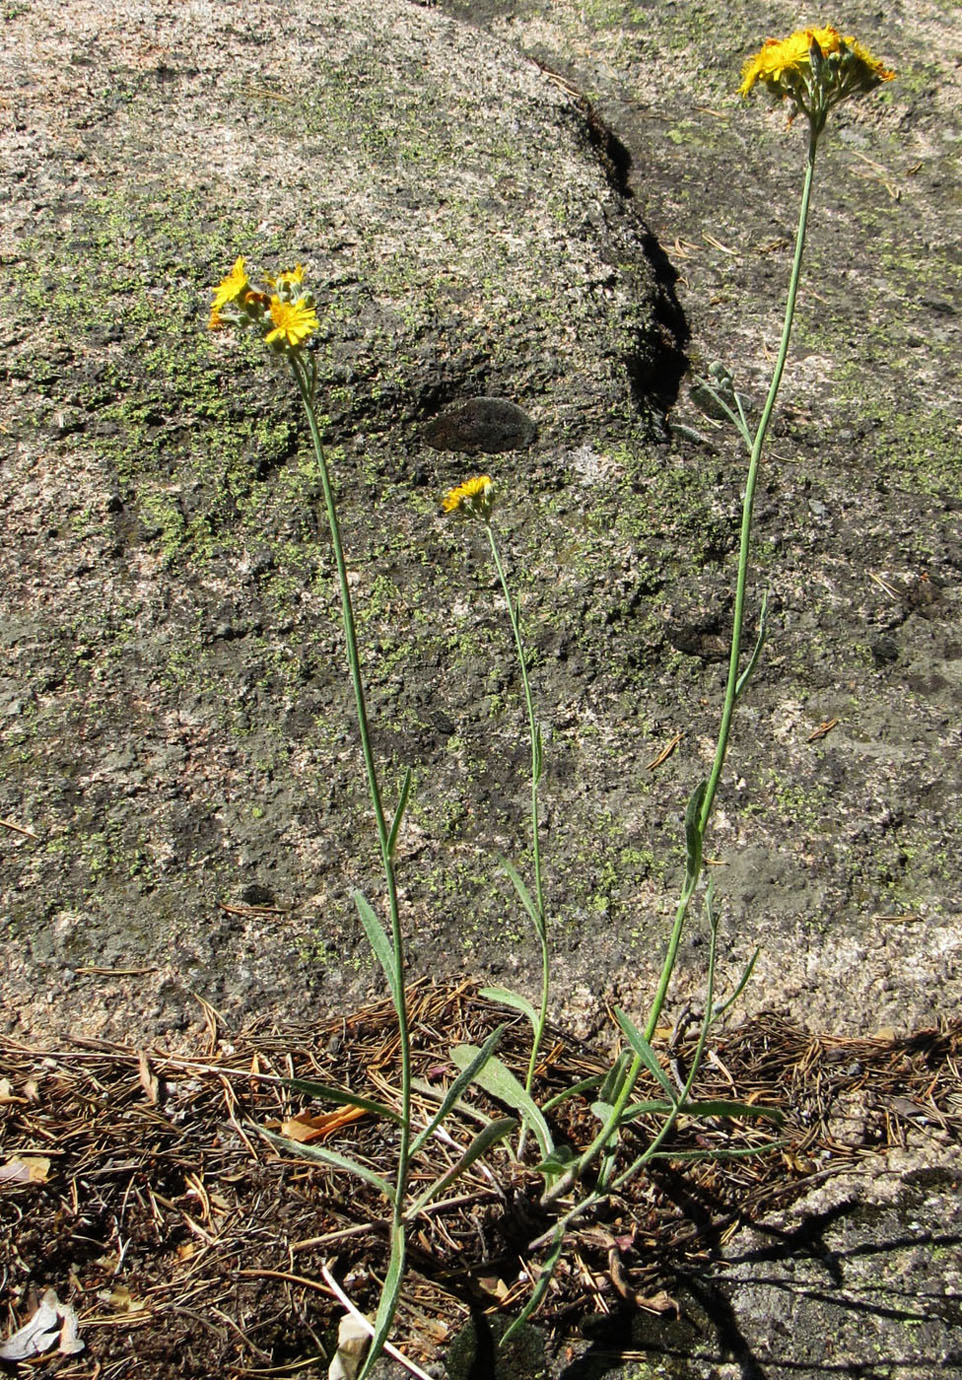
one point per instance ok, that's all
(281, 313)
(475, 500)
(813, 70)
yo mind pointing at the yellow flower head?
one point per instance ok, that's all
(472, 499)
(233, 286)
(294, 322)
(814, 69)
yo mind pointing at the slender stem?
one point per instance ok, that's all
(724, 732)
(305, 387)
(728, 708)
(535, 828)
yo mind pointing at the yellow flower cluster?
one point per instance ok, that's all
(472, 499)
(284, 316)
(814, 69)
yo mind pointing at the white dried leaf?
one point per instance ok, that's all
(352, 1340)
(53, 1324)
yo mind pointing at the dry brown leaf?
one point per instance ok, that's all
(25, 1169)
(121, 1299)
(494, 1284)
(148, 1079)
(308, 1126)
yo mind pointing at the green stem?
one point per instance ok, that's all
(305, 387)
(749, 499)
(728, 708)
(724, 733)
(535, 740)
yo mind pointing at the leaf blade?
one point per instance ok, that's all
(380, 943)
(498, 1080)
(331, 1158)
(645, 1052)
(505, 997)
(485, 1138)
(341, 1097)
(458, 1086)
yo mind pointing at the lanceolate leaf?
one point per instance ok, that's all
(341, 1097)
(719, 1009)
(722, 1107)
(585, 1085)
(498, 1080)
(745, 676)
(743, 1152)
(693, 834)
(514, 999)
(329, 1157)
(387, 1306)
(459, 1086)
(537, 919)
(492, 1133)
(541, 1288)
(399, 813)
(614, 1079)
(379, 942)
(637, 1109)
(644, 1051)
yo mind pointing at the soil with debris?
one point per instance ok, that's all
(188, 1245)
(560, 206)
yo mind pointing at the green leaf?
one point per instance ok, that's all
(614, 1079)
(380, 943)
(527, 900)
(742, 1153)
(556, 1163)
(644, 1051)
(656, 1108)
(743, 426)
(387, 1306)
(586, 1085)
(399, 813)
(498, 1080)
(458, 1087)
(693, 832)
(537, 756)
(329, 1157)
(465, 1109)
(492, 1133)
(602, 1110)
(719, 1011)
(505, 997)
(341, 1097)
(743, 679)
(541, 1288)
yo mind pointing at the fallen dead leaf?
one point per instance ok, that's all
(52, 1324)
(25, 1169)
(352, 1342)
(122, 1300)
(148, 1079)
(307, 1126)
